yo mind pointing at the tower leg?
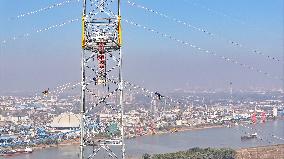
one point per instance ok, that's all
(83, 91)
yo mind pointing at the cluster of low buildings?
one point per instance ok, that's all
(24, 119)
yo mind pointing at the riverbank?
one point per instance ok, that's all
(164, 142)
(185, 128)
(76, 142)
(261, 152)
(199, 127)
(63, 143)
(179, 129)
(214, 138)
(182, 129)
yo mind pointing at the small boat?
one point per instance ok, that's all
(173, 130)
(20, 150)
(25, 150)
(131, 136)
(28, 150)
(247, 137)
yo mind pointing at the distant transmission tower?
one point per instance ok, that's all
(154, 107)
(101, 68)
(154, 114)
(231, 94)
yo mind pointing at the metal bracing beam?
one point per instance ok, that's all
(101, 40)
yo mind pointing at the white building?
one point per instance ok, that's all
(66, 121)
(274, 112)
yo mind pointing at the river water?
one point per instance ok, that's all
(213, 137)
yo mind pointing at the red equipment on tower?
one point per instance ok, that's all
(253, 118)
(101, 64)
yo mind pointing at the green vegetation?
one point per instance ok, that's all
(196, 153)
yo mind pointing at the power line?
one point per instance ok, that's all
(225, 15)
(224, 58)
(205, 31)
(22, 15)
(217, 12)
(54, 92)
(14, 38)
(148, 93)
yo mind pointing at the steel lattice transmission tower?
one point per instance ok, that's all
(102, 126)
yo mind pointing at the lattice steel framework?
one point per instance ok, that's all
(154, 110)
(102, 126)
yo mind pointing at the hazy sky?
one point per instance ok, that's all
(52, 58)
